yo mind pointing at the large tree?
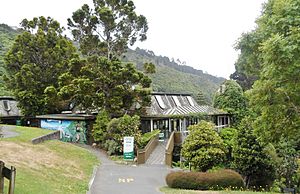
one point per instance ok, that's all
(108, 28)
(250, 158)
(230, 97)
(275, 96)
(97, 83)
(34, 62)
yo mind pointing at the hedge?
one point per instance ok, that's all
(218, 180)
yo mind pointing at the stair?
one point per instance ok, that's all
(158, 154)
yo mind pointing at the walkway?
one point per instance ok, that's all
(6, 131)
(158, 154)
(112, 178)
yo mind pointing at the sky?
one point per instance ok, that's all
(201, 33)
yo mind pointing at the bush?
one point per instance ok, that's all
(146, 137)
(203, 147)
(112, 147)
(205, 180)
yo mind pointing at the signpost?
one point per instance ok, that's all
(128, 148)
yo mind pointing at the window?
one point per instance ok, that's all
(160, 101)
(6, 105)
(177, 103)
(190, 101)
(223, 120)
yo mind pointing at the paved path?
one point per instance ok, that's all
(6, 131)
(158, 154)
(112, 178)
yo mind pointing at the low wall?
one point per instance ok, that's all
(54, 135)
(143, 154)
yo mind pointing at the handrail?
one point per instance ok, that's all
(169, 150)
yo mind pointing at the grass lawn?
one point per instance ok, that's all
(168, 190)
(49, 167)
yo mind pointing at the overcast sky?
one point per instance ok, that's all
(200, 32)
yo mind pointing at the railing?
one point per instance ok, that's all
(143, 154)
(175, 139)
(169, 150)
(10, 174)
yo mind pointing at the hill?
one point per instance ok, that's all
(172, 77)
(169, 77)
(7, 36)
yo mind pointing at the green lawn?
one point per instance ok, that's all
(168, 190)
(50, 167)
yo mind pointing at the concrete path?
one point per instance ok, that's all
(112, 178)
(158, 155)
(6, 131)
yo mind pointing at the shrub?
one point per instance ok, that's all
(203, 147)
(146, 137)
(205, 180)
(112, 147)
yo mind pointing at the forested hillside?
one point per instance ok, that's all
(172, 77)
(169, 76)
(7, 35)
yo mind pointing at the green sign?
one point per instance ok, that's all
(128, 148)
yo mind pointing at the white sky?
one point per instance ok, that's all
(200, 32)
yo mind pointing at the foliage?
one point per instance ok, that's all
(219, 180)
(118, 128)
(34, 176)
(230, 98)
(146, 137)
(203, 147)
(250, 158)
(99, 83)
(270, 53)
(7, 36)
(228, 136)
(172, 77)
(112, 147)
(108, 28)
(99, 132)
(287, 163)
(201, 99)
(33, 64)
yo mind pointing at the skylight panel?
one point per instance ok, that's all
(190, 101)
(176, 100)
(160, 101)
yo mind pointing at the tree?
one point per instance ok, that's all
(35, 61)
(107, 29)
(203, 147)
(275, 96)
(200, 98)
(249, 157)
(99, 132)
(228, 136)
(97, 83)
(230, 97)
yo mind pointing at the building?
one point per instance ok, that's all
(175, 112)
(9, 111)
(73, 127)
